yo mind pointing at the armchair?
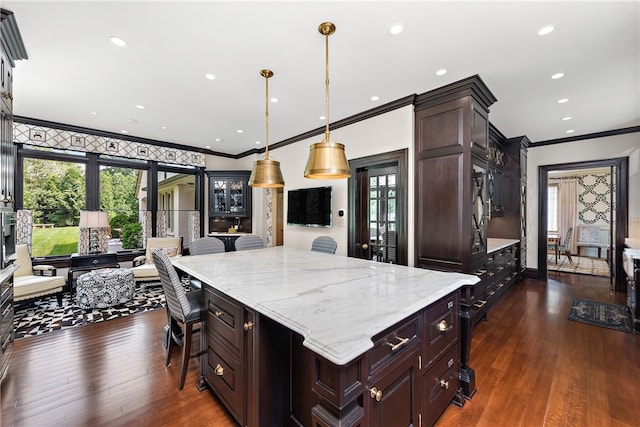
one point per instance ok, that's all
(144, 269)
(30, 282)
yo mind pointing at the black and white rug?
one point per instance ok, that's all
(45, 315)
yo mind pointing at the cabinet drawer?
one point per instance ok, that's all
(441, 327)
(224, 374)
(392, 343)
(224, 320)
(439, 386)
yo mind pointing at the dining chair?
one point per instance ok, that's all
(206, 245)
(184, 310)
(248, 242)
(325, 244)
(564, 247)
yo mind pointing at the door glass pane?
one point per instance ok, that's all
(220, 196)
(237, 196)
(382, 216)
(120, 197)
(373, 182)
(176, 197)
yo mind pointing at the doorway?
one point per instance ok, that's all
(600, 190)
(378, 208)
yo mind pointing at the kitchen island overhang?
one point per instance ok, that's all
(351, 316)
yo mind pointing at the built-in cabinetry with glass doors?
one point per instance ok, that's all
(229, 200)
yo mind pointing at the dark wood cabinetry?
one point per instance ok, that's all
(451, 143)
(6, 318)
(229, 200)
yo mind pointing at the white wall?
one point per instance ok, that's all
(579, 151)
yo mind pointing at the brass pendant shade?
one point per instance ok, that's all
(327, 159)
(266, 173)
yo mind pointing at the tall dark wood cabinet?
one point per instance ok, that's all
(11, 50)
(451, 144)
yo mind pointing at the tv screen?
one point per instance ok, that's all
(310, 207)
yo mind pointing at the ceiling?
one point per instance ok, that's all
(75, 76)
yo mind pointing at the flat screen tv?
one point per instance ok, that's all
(309, 207)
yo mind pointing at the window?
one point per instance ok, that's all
(119, 197)
(177, 197)
(552, 208)
(54, 191)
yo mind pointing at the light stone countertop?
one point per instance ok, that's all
(494, 244)
(336, 303)
(223, 234)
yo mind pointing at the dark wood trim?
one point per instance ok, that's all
(622, 211)
(401, 159)
(471, 86)
(586, 136)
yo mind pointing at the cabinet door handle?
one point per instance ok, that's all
(219, 370)
(247, 326)
(402, 341)
(444, 384)
(443, 326)
(375, 394)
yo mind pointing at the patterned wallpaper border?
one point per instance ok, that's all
(65, 140)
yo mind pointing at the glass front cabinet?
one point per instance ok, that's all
(229, 193)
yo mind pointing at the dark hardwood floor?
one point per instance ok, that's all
(533, 368)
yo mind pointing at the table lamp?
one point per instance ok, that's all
(94, 220)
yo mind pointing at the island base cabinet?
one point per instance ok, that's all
(440, 386)
(392, 400)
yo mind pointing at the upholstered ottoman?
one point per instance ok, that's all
(104, 288)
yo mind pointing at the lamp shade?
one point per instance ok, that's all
(266, 174)
(327, 160)
(94, 219)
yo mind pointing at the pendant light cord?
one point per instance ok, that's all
(266, 118)
(326, 84)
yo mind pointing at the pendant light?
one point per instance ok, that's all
(327, 159)
(266, 172)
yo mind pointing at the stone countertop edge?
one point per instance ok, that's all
(342, 286)
(495, 244)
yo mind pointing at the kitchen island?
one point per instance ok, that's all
(295, 337)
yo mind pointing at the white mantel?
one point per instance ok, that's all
(336, 303)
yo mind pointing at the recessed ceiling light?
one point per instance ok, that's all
(375, 98)
(124, 131)
(207, 146)
(210, 76)
(140, 107)
(239, 131)
(395, 29)
(117, 41)
(132, 120)
(322, 118)
(566, 118)
(570, 131)
(441, 72)
(274, 100)
(258, 142)
(219, 139)
(557, 76)
(545, 30)
(562, 101)
(93, 113)
(163, 127)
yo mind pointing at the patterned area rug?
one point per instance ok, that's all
(581, 265)
(44, 315)
(600, 314)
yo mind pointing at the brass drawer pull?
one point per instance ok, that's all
(479, 304)
(443, 326)
(375, 394)
(396, 346)
(218, 314)
(247, 326)
(219, 370)
(444, 384)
